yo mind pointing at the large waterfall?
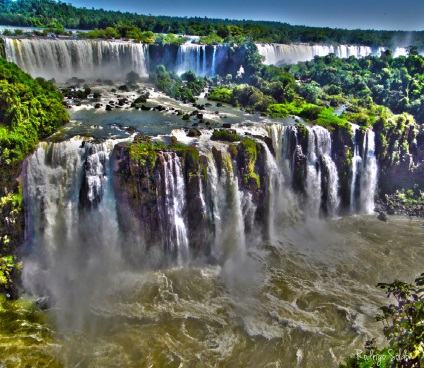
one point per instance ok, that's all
(93, 59)
(87, 59)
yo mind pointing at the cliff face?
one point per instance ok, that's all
(150, 179)
(400, 153)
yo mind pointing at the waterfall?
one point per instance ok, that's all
(313, 181)
(230, 207)
(356, 168)
(175, 237)
(278, 196)
(73, 246)
(279, 54)
(363, 180)
(87, 59)
(322, 177)
(369, 177)
(204, 61)
(192, 57)
(213, 73)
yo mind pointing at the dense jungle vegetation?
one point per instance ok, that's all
(59, 14)
(30, 109)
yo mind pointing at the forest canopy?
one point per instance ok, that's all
(55, 14)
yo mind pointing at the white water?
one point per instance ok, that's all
(173, 224)
(191, 57)
(356, 167)
(369, 177)
(214, 62)
(278, 54)
(364, 169)
(319, 183)
(78, 246)
(86, 59)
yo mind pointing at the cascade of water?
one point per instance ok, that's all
(369, 175)
(173, 223)
(322, 177)
(278, 54)
(77, 245)
(277, 198)
(313, 175)
(356, 168)
(363, 173)
(213, 62)
(229, 208)
(88, 59)
(204, 60)
(191, 57)
(198, 55)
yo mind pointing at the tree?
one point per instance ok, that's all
(403, 323)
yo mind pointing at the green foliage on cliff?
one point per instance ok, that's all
(29, 111)
(144, 150)
(248, 149)
(225, 135)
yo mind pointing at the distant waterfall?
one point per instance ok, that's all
(192, 57)
(363, 178)
(213, 72)
(278, 54)
(87, 59)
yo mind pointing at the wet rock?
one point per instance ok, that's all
(194, 133)
(219, 104)
(226, 125)
(382, 216)
(98, 105)
(109, 108)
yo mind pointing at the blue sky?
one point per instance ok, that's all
(365, 14)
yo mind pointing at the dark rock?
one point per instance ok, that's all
(108, 108)
(200, 116)
(194, 133)
(207, 104)
(98, 105)
(382, 216)
(219, 104)
(145, 108)
(226, 125)
(195, 124)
